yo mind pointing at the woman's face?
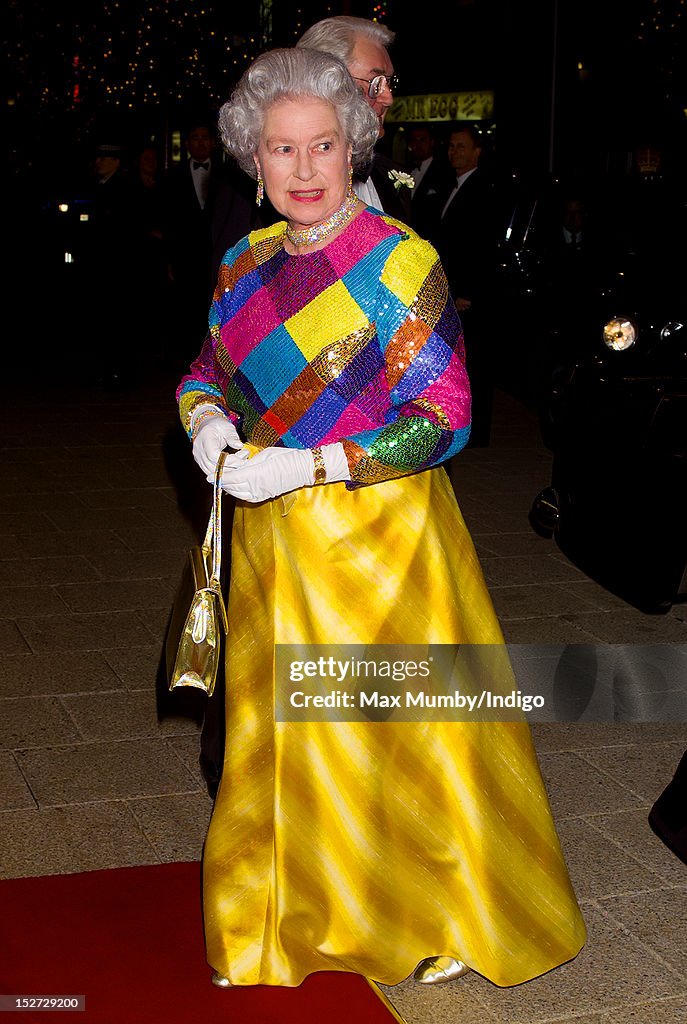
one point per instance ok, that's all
(304, 160)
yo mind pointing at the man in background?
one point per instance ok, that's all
(190, 193)
(107, 267)
(363, 46)
(433, 179)
(466, 240)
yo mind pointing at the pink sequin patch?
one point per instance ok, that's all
(351, 421)
(452, 393)
(249, 325)
(351, 246)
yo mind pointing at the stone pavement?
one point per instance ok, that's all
(100, 500)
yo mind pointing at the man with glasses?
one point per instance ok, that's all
(363, 46)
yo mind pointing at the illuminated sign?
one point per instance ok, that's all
(443, 106)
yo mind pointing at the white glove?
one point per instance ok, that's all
(214, 434)
(275, 471)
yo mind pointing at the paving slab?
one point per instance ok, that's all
(90, 772)
(65, 840)
(24, 675)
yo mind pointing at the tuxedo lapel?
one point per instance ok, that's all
(462, 199)
(426, 182)
(395, 201)
(429, 197)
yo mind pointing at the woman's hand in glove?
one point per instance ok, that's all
(214, 435)
(275, 471)
(271, 472)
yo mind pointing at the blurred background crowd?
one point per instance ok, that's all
(569, 117)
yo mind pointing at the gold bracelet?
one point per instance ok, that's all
(202, 417)
(320, 469)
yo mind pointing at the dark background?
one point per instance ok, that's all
(579, 84)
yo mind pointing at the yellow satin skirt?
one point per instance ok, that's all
(366, 847)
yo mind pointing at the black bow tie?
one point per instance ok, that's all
(364, 173)
(205, 166)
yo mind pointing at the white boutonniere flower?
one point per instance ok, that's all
(402, 180)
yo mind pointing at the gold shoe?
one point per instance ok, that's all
(220, 981)
(438, 969)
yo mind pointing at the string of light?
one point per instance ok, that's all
(134, 54)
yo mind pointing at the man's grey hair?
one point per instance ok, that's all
(338, 35)
(291, 74)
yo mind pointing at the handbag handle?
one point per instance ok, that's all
(212, 545)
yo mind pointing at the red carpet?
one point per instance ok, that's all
(131, 941)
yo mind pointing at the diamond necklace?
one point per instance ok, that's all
(310, 236)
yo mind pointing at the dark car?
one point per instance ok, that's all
(615, 416)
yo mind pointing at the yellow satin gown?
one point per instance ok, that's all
(367, 847)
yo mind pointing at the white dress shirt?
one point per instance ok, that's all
(366, 192)
(572, 238)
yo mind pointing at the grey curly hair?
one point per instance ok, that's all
(338, 35)
(287, 74)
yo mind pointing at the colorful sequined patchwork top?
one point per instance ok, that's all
(358, 342)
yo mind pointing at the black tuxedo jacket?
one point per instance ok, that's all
(187, 223)
(395, 201)
(467, 239)
(234, 213)
(430, 196)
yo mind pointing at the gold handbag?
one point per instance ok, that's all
(199, 615)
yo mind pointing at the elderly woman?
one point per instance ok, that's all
(336, 354)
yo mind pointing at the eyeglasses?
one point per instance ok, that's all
(376, 84)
